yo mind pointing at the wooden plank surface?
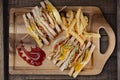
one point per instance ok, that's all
(1, 43)
(118, 38)
(109, 73)
(19, 65)
(108, 8)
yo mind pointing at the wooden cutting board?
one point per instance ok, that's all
(17, 31)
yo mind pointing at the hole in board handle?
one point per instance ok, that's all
(103, 41)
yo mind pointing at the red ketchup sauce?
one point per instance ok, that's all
(36, 55)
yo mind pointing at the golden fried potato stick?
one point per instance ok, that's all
(64, 21)
(88, 35)
(70, 16)
(79, 26)
(72, 25)
(83, 19)
(74, 34)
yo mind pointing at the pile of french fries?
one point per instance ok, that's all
(75, 24)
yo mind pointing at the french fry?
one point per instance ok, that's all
(64, 21)
(86, 18)
(83, 19)
(95, 35)
(83, 37)
(79, 25)
(70, 16)
(71, 26)
(65, 26)
(74, 34)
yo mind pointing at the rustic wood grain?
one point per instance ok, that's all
(1, 43)
(118, 38)
(109, 73)
(107, 6)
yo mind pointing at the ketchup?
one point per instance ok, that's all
(36, 55)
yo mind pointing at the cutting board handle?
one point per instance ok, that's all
(111, 42)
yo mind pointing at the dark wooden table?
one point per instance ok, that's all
(1, 43)
(109, 8)
(118, 39)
